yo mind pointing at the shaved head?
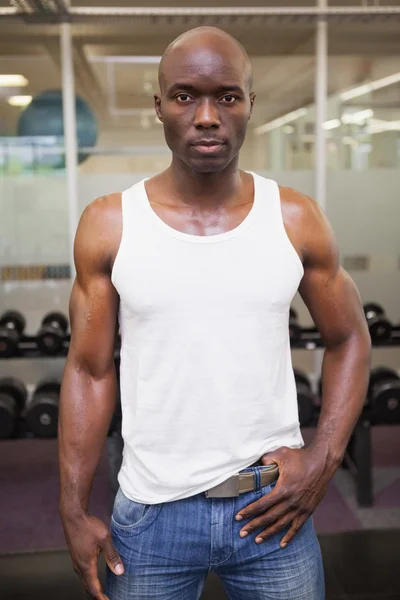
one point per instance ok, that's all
(211, 39)
(205, 99)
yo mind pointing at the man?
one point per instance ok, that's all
(201, 262)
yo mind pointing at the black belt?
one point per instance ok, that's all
(243, 482)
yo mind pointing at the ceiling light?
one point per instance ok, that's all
(288, 118)
(357, 117)
(13, 81)
(332, 124)
(378, 126)
(370, 86)
(20, 100)
(288, 129)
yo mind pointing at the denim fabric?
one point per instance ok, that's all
(168, 549)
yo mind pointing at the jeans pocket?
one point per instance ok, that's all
(130, 517)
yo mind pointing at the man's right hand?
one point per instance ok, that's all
(87, 537)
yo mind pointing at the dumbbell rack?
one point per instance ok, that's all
(357, 457)
(310, 339)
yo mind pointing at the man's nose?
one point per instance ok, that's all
(207, 114)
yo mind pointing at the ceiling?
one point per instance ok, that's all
(281, 50)
(220, 3)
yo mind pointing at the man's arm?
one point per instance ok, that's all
(89, 388)
(335, 305)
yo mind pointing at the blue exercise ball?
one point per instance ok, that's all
(44, 117)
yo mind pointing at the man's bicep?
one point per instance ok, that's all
(334, 303)
(93, 303)
(93, 316)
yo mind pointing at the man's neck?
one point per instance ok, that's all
(204, 190)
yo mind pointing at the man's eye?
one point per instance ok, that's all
(183, 97)
(229, 99)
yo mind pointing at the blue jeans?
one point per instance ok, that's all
(168, 549)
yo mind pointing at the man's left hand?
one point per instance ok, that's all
(304, 475)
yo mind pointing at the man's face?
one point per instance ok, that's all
(205, 104)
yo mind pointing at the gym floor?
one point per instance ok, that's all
(360, 546)
(359, 565)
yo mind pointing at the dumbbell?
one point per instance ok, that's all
(380, 328)
(384, 396)
(305, 398)
(12, 325)
(42, 413)
(51, 335)
(294, 327)
(13, 396)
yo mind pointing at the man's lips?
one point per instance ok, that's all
(208, 146)
(213, 142)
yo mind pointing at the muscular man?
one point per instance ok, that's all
(200, 264)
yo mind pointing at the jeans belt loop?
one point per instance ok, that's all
(257, 479)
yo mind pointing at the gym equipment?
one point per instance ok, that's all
(305, 398)
(380, 328)
(42, 413)
(51, 335)
(294, 327)
(384, 396)
(13, 396)
(12, 325)
(44, 117)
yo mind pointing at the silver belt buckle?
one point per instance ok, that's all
(228, 488)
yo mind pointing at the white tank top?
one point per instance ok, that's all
(207, 383)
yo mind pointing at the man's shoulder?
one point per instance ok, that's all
(102, 215)
(295, 198)
(103, 206)
(299, 206)
(306, 223)
(99, 230)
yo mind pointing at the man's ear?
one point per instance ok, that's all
(252, 98)
(157, 105)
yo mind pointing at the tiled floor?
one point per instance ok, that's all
(358, 566)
